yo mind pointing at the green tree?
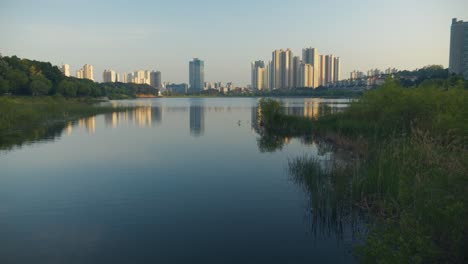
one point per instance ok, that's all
(4, 86)
(67, 88)
(40, 85)
(19, 81)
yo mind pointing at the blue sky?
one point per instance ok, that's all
(227, 35)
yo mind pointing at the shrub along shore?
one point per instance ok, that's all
(411, 174)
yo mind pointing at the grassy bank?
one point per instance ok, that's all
(413, 175)
(25, 119)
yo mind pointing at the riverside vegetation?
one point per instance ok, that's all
(37, 100)
(408, 172)
(24, 119)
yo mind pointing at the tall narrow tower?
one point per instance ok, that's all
(458, 61)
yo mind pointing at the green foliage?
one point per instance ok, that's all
(25, 118)
(67, 88)
(275, 121)
(29, 77)
(394, 110)
(412, 178)
(40, 85)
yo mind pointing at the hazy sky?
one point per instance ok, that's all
(227, 35)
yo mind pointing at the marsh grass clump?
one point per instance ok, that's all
(412, 177)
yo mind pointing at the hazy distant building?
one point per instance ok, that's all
(123, 78)
(88, 72)
(306, 75)
(329, 69)
(80, 74)
(296, 72)
(155, 79)
(177, 88)
(258, 75)
(196, 75)
(322, 70)
(458, 61)
(130, 77)
(281, 74)
(139, 77)
(311, 56)
(147, 77)
(336, 69)
(65, 70)
(109, 76)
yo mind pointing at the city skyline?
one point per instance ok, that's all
(111, 40)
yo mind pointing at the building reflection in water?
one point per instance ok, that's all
(197, 120)
(69, 128)
(144, 117)
(88, 123)
(312, 108)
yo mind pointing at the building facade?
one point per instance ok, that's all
(258, 76)
(329, 69)
(458, 59)
(336, 69)
(311, 56)
(88, 72)
(109, 76)
(65, 69)
(196, 75)
(155, 79)
(306, 75)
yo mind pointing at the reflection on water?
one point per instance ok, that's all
(88, 123)
(197, 120)
(325, 176)
(314, 107)
(111, 199)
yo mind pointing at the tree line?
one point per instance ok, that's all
(26, 77)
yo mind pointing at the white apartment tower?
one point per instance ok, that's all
(311, 56)
(65, 69)
(258, 76)
(307, 75)
(88, 72)
(109, 76)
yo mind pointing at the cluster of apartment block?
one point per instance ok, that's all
(286, 71)
(152, 78)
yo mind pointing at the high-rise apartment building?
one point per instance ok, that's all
(109, 76)
(306, 75)
(88, 72)
(258, 76)
(458, 60)
(336, 69)
(286, 69)
(123, 78)
(275, 76)
(311, 56)
(296, 72)
(80, 74)
(65, 69)
(322, 70)
(329, 69)
(281, 69)
(155, 79)
(139, 77)
(196, 75)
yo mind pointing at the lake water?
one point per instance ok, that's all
(175, 181)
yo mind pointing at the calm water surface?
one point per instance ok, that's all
(175, 181)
